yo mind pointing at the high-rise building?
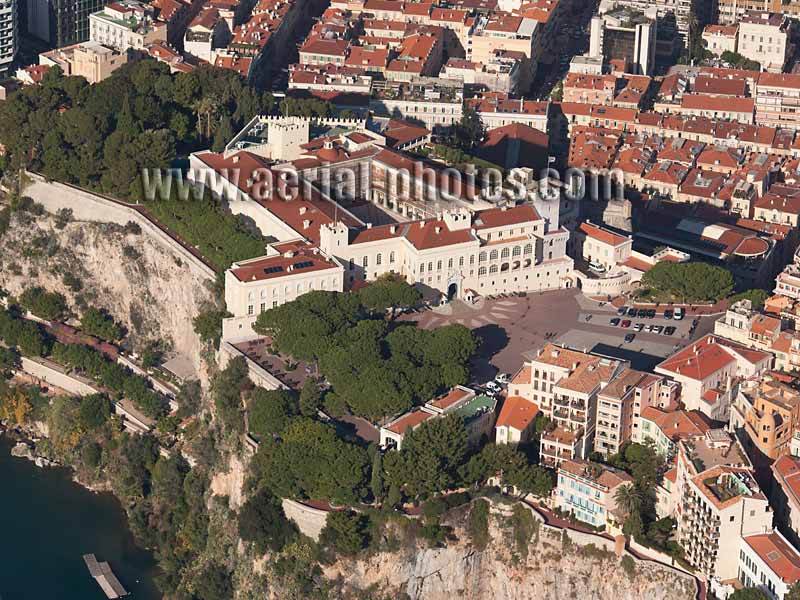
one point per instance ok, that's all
(9, 33)
(61, 22)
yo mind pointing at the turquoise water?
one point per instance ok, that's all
(47, 523)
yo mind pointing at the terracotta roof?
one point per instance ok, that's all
(676, 424)
(293, 258)
(605, 476)
(603, 235)
(778, 554)
(707, 356)
(714, 103)
(517, 413)
(454, 396)
(787, 475)
(410, 420)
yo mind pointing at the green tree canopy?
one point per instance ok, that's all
(45, 305)
(94, 411)
(99, 323)
(263, 522)
(689, 282)
(345, 532)
(756, 296)
(270, 411)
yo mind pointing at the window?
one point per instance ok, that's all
(378, 259)
(528, 249)
(364, 262)
(391, 256)
(450, 264)
(493, 255)
(263, 306)
(481, 271)
(438, 265)
(482, 257)
(493, 269)
(517, 251)
(505, 253)
(461, 261)
(422, 267)
(249, 309)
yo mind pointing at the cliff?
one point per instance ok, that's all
(546, 567)
(145, 283)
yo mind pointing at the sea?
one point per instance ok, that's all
(47, 524)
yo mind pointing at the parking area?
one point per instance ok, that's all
(515, 326)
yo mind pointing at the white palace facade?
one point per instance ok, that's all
(455, 249)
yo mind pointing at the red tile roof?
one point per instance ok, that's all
(778, 554)
(517, 413)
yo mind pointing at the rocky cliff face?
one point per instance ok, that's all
(141, 281)
(551, 570)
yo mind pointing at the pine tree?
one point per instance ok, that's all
(376, 482)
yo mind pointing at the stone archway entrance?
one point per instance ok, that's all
(452, 291)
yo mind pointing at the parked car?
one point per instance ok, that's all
(651, 313)
(658, 328)
(669, 330)
(638, 327)
(502, 378)
(493, 386)
(621, 311)
(678, 314)
(629, 338)
(614, 322)
(632, 312)
(668, 314)
(625, 324)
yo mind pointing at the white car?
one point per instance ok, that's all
(502, 377)
(493, 385)
(678, 314)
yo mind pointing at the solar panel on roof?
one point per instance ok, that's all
(304, 265)
(269, 270)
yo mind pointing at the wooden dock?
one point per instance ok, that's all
(102, 573)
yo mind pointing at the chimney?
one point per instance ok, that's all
(235, 158)
(438, 229)
(422, 224)
(303, 210)
(306, 224)
(393, 229)
(369, 225)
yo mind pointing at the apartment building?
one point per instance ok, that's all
(500, 31)
(777, 99)
(710, 370)
(601, 248)
(785, 496)
(9, 33)
(626, 35)
(721, 38)
(587, 490)
(564, 384)
(764, 38)
(127, 24)
(60, 22)
(746, 326)
(665, 428)
(90, 60)
(498, 110)
(515, 423)
(769, 412)
(719, 506)
(768, 562)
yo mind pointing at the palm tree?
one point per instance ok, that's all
(628, 499)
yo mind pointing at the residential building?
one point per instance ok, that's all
(90, 60)
(9, 33)
(764, 38)
(710, 370)
(785, 495)
(719, 506)
(744, 325)
(769, 412)
(588, 491)
(601, 248)
(126, 24)
(205, 33)
(615, 409)
(515, 424)
(665, 428)
(501, 31)
(720, 38)
(61, 22)
(477, 411)
(565, 384)
(626, 35)
(777, 99)
(768, 562)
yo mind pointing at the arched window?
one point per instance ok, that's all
(482, 257)
(504, 253)
(493, 255)
(481, 271)
(517, 251)
(450, 263)
(378, 259)
(391, 256)
(504, 267)
(493, 269)
(422, 267)
(528, 249)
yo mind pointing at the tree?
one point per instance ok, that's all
(628, 499)
(99, 323)
(208, 325)
(263, 522)
(9, 359)
(270, 411)
(376, 480)
(431, 457)
(478, 524)
(214, 584)
(94, 411)
(227, 390)
(345, 532)
(389, 292)
(310, 398)
(45, 305)
(689, 282)
(793, 593)
(470, 131)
